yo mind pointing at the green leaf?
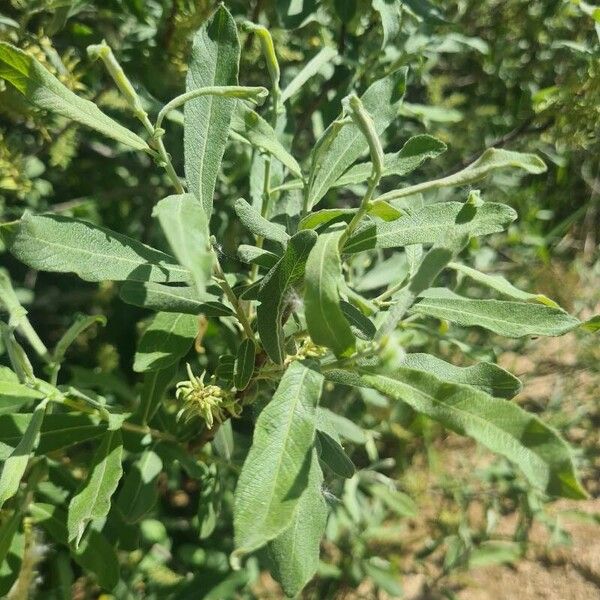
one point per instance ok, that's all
(326, 322)
(167, 339)
(94, 554)
(185, 226)
(433, 224)
(252, 255)
(390, 12)
(361, 326)
(339, 148)
(214, 61)
(209, 502)
(82, 322)
(501, 426)
(58, 431)
(511, 319)
(258, 225)
(339, 426)
(400, 503)
(15, 465)
(7, 533)
(294, 553)
(276, 470)
(309, 70)
(153, 391)
(502, 285)
(489, 378)
(326, 216)
(332, 454)
(92, 501)
(173, 299)
(44, 90)
(244, 364)
(273, 294)
(491, 160)
(254, 130)
(139, 494)
(412, 155)
(13, 395)
(65, 245)
(495, 552)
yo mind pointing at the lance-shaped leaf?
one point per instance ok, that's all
(92, 501)
(244, 364)
(502, 285)
(94, 554)
(339, 147)
(501, 426)
(214, 61)
(139, 493)
(254, 130)
(44, 90)
(324, 57)
(332, 454)
(511, 319)
(65, 245)
(185, 226)
(412, 155)
(153, 391)
(390, 12)
(338, 426)
(13, 395)
(58, 431)
(325, 319)
(276, 470)
(294, 553)
(326, 216)
(433, 224)
(253, 255)
(82, 322)
(488, 377)
(491, 160)
(167, 339)
(258, 225)
(175, 299)
(361, 326)
(15, 465)
(274, 290)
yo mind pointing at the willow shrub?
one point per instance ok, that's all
(300, 319)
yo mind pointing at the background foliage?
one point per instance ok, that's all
(518, 74)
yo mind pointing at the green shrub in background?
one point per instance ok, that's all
(275, 327)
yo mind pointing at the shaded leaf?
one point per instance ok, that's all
(294, 553)
(244, 364)
(274, 289)
(276, 470)
(326, 322)
(92, 501)
(332, 454)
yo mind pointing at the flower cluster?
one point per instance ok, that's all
(208, 402)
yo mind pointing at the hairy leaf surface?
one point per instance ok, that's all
(276, 470)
